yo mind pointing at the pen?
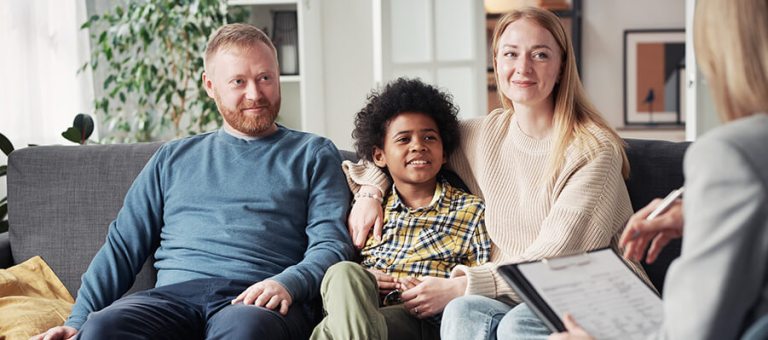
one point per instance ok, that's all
(663, 207)
(666, 203)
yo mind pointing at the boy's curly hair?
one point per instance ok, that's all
(404, 95)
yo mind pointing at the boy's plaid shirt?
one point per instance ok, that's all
(431, 240)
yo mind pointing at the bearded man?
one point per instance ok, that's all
(242, 222)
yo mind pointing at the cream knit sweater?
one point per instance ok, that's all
(529, 215)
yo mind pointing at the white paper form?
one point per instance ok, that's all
(604, 296)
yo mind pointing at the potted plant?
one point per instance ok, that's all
(152, 53)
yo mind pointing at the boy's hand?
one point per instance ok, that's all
(430, 296)
(387, 283)
(366, 213)
(268, 294)
(407, 283)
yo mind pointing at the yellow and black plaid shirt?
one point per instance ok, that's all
(431, 240)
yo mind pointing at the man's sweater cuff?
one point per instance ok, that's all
(75, 322)
(480, 280)
(292, 284)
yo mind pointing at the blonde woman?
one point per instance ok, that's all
(549, 167)
(717, 287)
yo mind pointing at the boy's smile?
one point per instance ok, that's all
(413, 152)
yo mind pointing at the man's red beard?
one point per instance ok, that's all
(249, 124)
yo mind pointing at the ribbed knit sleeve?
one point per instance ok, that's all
(365, 173)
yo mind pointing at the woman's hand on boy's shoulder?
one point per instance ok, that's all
(366, 213)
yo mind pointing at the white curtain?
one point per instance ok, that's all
(41, 49)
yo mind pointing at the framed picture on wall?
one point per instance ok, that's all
(654, 65)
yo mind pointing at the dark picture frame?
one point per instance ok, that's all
(653, 60)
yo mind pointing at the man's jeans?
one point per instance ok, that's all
(196, 309)
(475, 317)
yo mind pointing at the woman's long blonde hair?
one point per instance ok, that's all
(731, 43)
(574, 113)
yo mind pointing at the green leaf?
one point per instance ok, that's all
(108, 52)
(5, 144)
(145, 36)
(72, 134)
(108, 81)
(84, 123)
(82, 68)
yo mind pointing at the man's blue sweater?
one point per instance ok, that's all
(217, 206)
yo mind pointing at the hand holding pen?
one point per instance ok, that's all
(658, 223)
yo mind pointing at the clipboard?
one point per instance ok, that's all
(598, 288)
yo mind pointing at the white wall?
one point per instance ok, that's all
(604, 22)
(702, 114)
(348, 62)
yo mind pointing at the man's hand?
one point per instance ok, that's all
(575, 332)
(56, 333)
(660, 230)
(366, 213)
(429, 296)
(268, 294)
(386, 283)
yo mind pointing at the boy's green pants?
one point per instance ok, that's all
(351, 303)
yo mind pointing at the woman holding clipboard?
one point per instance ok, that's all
(717, 288)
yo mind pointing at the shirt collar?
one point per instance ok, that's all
(438, 198)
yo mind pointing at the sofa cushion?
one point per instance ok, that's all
(62, 198)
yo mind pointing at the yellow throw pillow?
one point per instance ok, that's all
(32, 299)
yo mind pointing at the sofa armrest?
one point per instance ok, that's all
(5, 251)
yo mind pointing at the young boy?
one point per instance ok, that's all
(429, 227)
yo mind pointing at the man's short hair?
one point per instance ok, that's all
(235, 35)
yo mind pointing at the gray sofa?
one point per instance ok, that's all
(62, 199)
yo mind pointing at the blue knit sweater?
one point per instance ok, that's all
(217, 206)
